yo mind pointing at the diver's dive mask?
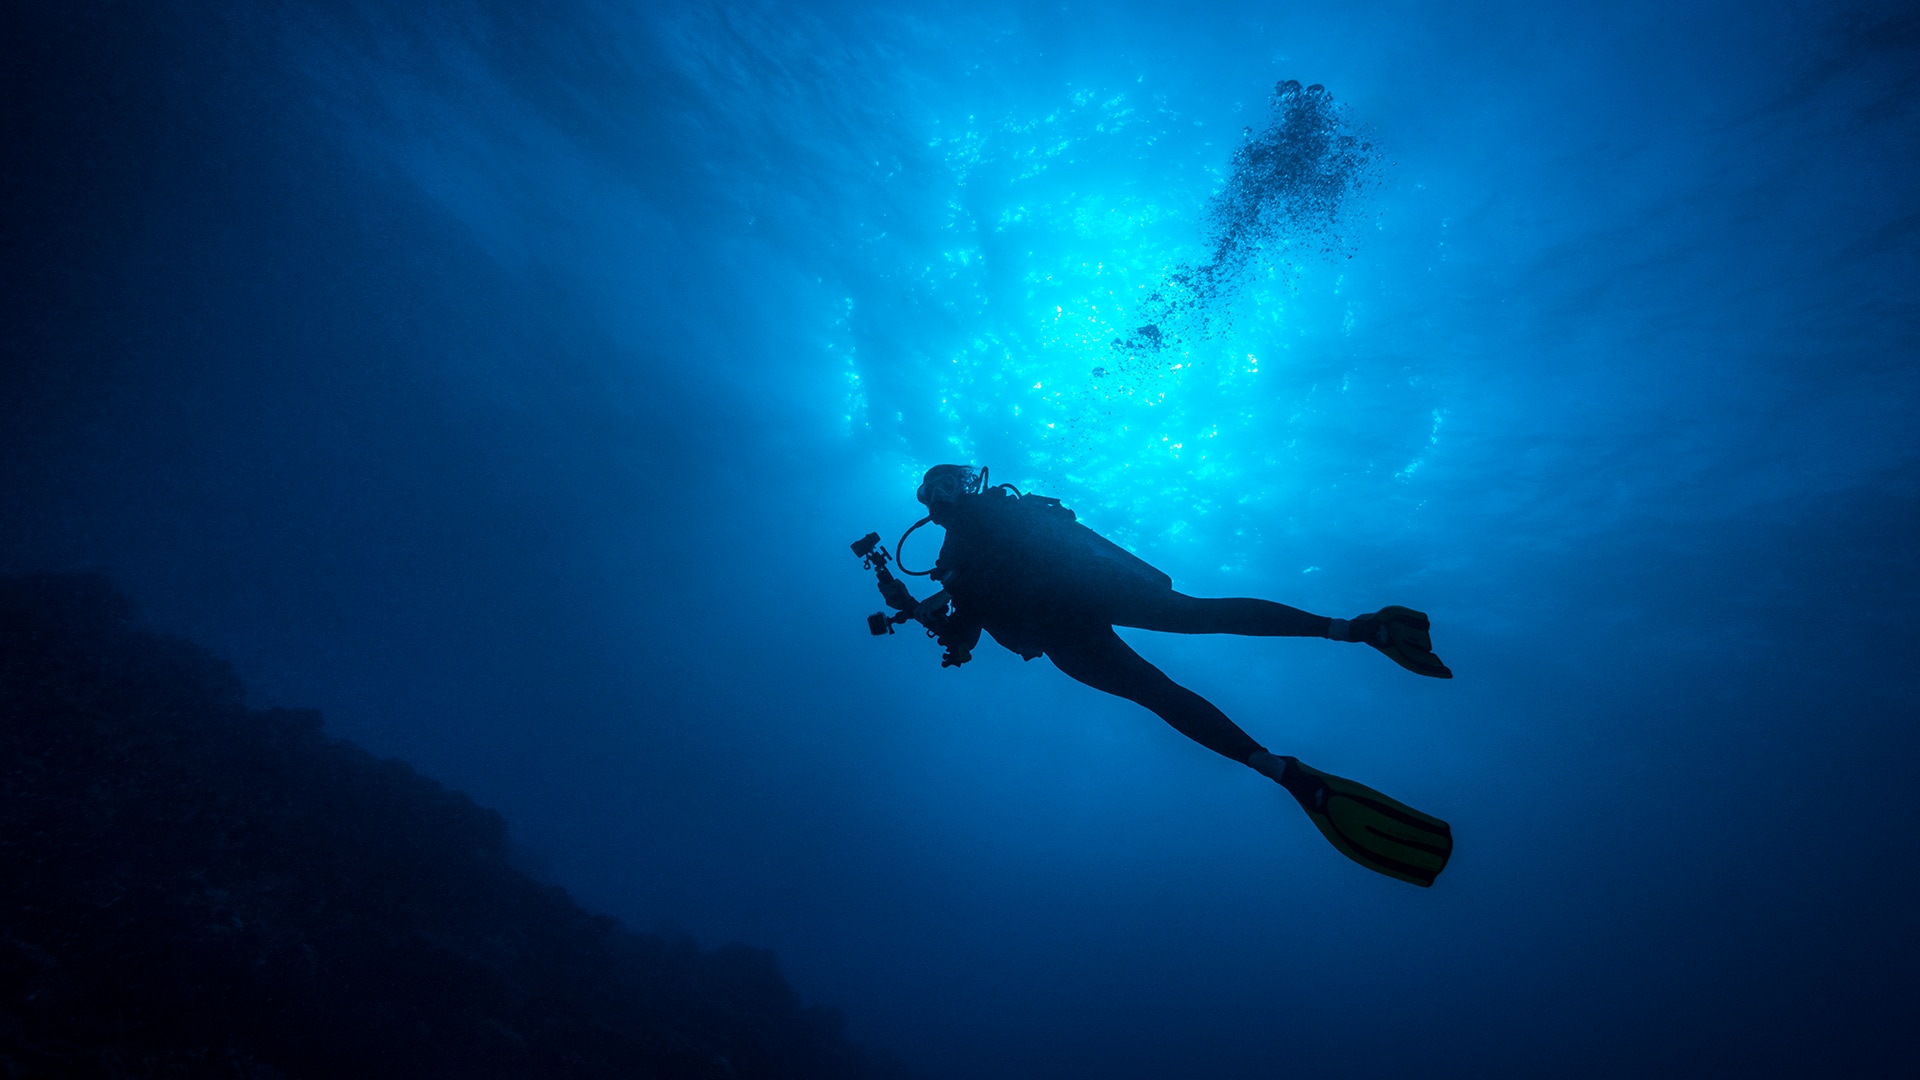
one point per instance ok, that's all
(946, 483)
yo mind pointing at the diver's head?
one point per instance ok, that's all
(944, 484)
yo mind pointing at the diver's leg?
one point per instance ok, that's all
(1401, 633)
(1177, 613)
(1096, 656)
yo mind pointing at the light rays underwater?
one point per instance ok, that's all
(506, 382)
(1120, 281)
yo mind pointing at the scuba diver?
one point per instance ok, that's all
(1023, 569)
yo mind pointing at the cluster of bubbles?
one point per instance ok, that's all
(1284, 192)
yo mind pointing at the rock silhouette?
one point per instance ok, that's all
(195, 888)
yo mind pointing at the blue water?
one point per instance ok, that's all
(507, 383)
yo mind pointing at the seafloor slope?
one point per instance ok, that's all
(191, 887)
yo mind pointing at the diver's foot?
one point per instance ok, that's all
(1402, 634)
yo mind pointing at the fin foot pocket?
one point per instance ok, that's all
(1404, 635)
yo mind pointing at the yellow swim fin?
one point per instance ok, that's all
(1379, 833)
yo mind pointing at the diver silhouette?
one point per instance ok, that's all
(1023, 569)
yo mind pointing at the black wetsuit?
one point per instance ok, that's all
(1022, 569)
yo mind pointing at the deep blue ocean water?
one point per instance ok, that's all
(506, 381)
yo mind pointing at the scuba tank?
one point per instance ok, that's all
(1021, 565)
(1083, 556)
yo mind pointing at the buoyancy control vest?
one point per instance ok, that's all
(1024, 566)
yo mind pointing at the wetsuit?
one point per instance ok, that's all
(1022, 569)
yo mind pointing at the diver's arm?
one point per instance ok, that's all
(932, 612)
(953, 629)
(962, 633)
(950, 622)
(895, 593)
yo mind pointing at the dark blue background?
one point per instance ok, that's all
(507, 380)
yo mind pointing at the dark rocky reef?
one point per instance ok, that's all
(193, 888)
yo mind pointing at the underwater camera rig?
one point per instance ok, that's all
(873, 555)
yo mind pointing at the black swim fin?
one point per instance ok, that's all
(1401, 633)
(1379, 833)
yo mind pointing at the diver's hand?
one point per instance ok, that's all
(895, 593)
(932, 612)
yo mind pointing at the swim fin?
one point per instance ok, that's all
(1401, 633)
(1379, 833)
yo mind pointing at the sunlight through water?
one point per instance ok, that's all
(1128, 290)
